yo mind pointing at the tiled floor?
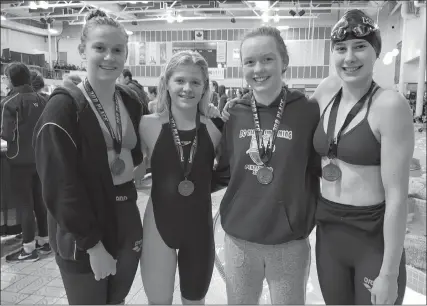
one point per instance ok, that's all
(40, 282)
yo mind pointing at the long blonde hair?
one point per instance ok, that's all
(182, 58)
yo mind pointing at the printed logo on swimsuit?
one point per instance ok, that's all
(368, 283)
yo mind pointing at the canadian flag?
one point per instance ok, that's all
(198, 35)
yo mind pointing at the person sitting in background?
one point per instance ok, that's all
(126, 79)
(214, 93)
(222, 97)
(37, 83)
(152, 95)
(21, 109)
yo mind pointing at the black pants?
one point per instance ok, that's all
(26, 194)
(349, 252)
(82, 288)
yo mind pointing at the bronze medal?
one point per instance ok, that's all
(331, 172)
(264, 175)
(117, 166)
(186, 188)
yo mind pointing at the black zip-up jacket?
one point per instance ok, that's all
(20, 111)
(72, 162)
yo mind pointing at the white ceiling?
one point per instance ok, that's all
(73, 12)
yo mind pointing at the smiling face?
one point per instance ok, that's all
(186, 86)
(262, 64)
(105, 50)
(354, 60)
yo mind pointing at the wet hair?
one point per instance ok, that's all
(152, 90)
(37, 81)
(354, 18)
(215, 86)
(99, 18)
(127, 73)
(275, 34)
(18, 74)
(221, 90)
(178, 59)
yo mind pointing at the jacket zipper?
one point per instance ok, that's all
(75, 250)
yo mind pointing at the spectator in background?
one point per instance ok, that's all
(21, 110)
(152, 95)
(222, 97)
(37, 82)
(214, 93)
(126, 79)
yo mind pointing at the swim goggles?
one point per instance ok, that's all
(359, 30)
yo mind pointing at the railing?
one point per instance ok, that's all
(55, 74)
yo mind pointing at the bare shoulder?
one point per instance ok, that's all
(213, 131)
(153, 120)
(391, 110)
(326, 89)
(390, 102)
(150, 127)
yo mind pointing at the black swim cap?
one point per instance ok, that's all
(355, 24)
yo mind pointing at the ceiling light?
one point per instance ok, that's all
(395, 52)
(170, 18)
(3, 18)
(53, 31)
(128, 32)
(276, 17)
(44, 4)
(265, 17)
(179, 18)
(33, 5)
(388, 58)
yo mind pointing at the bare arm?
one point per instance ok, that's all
(397, 146)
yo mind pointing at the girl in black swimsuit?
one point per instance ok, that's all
(178, 217)
(366, 140)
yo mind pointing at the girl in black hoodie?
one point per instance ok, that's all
(268, 209)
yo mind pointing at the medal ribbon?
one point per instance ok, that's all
(117, 139)
(333, 143)
(266, 153)
(186, 167)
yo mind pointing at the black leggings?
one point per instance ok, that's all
(83, 289)
(26, 193)
(349, 252)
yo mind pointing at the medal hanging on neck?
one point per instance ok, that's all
(265, 173)
(185, 187)
(332, 172)
(118, 166)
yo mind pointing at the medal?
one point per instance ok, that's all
(117, 166)
(185, 188)
(331, 172)
(264, 175)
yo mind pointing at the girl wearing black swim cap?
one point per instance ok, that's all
(366, 139)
